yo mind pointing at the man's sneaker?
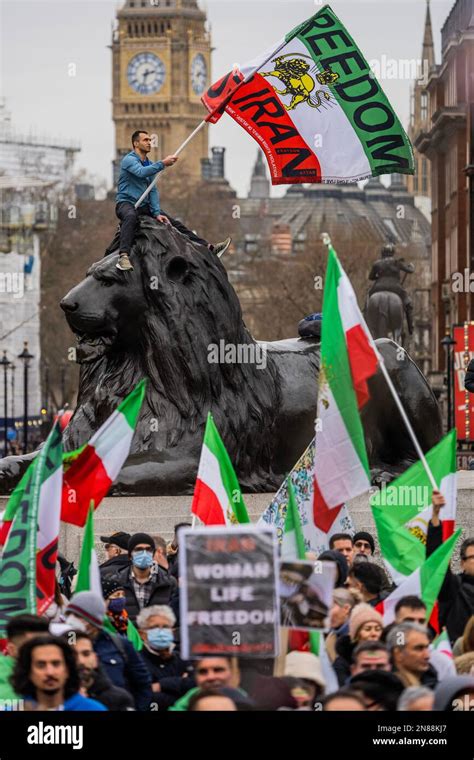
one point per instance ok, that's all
(221, 248)
(124, 263)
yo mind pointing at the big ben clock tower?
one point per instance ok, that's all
(161, 56)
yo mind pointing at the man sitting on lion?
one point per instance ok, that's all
(136, 173)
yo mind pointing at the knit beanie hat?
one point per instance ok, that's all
(362, 535)
(109, 585)
(88, 606)
(140, 538)
(362, 613)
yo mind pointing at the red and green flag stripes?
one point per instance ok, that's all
(95, 467)
(27, 564)
(217, 498)
(315, 107)
(348, 359)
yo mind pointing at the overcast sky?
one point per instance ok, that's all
(40, 38)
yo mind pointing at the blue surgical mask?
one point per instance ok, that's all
(117, 605)
(142, 559)
(160, 638)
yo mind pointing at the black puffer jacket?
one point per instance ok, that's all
(456, 597)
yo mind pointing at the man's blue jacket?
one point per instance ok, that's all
(135, 176)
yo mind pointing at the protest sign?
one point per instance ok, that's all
(305, 590)
(228, 600)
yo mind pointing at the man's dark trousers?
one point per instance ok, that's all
(125, 235)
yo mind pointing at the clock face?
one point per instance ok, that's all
(146, 73)
(199, 74)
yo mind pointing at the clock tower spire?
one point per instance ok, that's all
(161, 56)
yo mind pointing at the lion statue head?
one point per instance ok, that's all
(159, 322)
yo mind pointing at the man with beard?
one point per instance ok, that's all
(94, 681)
(46, 676)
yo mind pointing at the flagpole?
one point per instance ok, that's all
(210, 115)
(327, 241)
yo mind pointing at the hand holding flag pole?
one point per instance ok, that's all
(327, 242)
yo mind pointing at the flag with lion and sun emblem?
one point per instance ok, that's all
(315, 108)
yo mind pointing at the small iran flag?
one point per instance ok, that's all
(88, 573)
(402, 510)
(292, 545)
(217, 497)
(94, 468)
(348, 359)
(425, 582)
(442, 644)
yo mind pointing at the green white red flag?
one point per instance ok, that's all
(314, 106)
(94, 468)
(402, 510)
(348, 359)
(28, 561)
(217, 497)
(90, 471)
(425, 582)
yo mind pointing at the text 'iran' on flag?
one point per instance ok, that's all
(348, 359)
(315, 108)
(217, 497)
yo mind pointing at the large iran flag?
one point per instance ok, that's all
(348, 359)
(315, 108)
(217, 497)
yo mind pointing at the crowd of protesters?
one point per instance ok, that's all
(70, 660)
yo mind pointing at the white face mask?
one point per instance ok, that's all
(76, 623)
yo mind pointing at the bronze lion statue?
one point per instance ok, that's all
(176, 320)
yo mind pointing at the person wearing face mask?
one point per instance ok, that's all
(114, 598)
(171, 676)
(145, 583)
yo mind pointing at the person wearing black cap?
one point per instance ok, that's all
(364, 543)
(116, 548)
(144, 581)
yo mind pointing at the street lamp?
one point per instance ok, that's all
(5, 364)
(447, 343)
(25, 357)
(12, 381)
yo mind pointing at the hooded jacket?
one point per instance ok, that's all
(331, 555)
(162, 591)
